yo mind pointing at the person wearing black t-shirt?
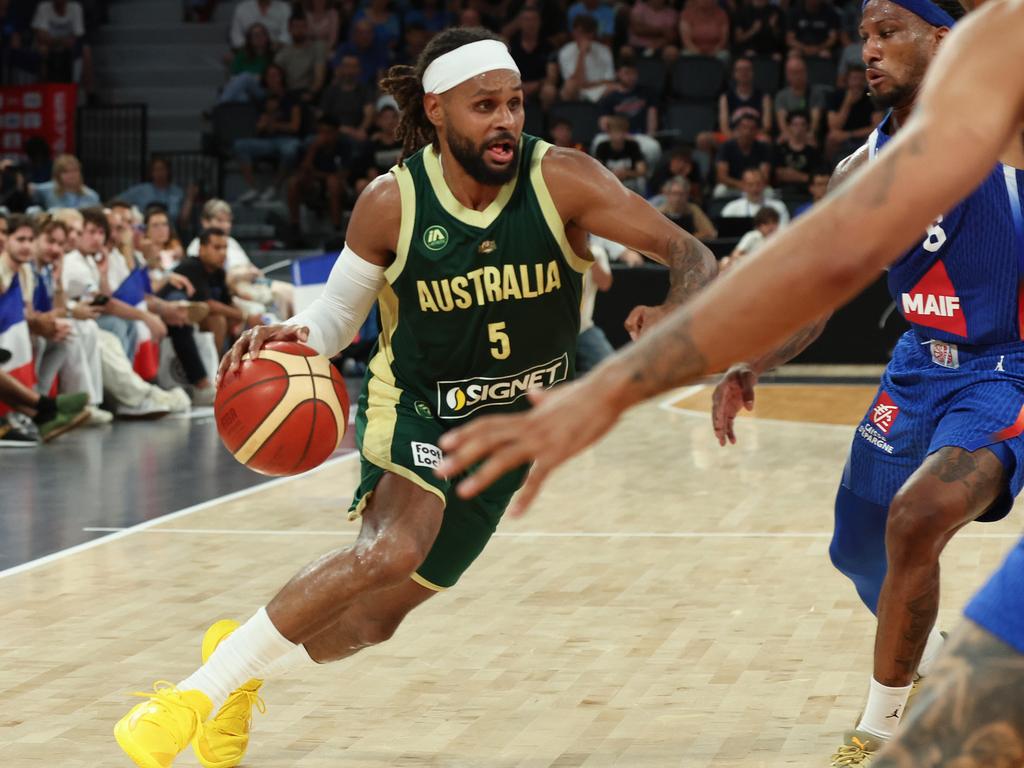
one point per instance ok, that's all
(744, 98)
(851, 116)
(626, 97)
(621, 155)
(795, 158)
(759, 30)
(813, 28)
(209, 281)
(738, 154)
(533, 56)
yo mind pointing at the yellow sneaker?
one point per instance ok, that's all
(858, 748)
(222, 741)
(156, 731)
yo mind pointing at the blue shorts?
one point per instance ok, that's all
(936, 395)
(999, 606)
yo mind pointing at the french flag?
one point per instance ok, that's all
(132, 291)
(14, 337)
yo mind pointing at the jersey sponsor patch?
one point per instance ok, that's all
(884, 413)
(458, 399)
(946, 355)
(933, 303)
(426, 455)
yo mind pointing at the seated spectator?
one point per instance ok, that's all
(321, 175)
(759, 30)
(739, 153)
(592, 346)
(58, 28)
(247, 68)
(161, 249)
(278, 136)
(813, 28)
(383, 149)
(51, 417)
(560, 134)
(348, 102)
(627, 98)
(73, 363)
(414, 40)
(684, 214)
(818, 188)
(849, 38)
(654, 27)
(742, 99)
(587, 66)
(66, 190)
(679, 162)
(754, 199)
(621, 155)
(252, 290)
(600, 12)
(322, 22)
(704, 29)
(430, 14)
(766, 224)
(374, 57)
(272, 14)
(799, 96)
(851, 116)
(532, 55)
(207, 276)
(385, 24)
(301, 60)
(160, 190)
(796, 157)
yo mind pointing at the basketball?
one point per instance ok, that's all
(283, 413)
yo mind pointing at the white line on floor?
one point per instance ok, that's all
(548, 534)
(119, 533)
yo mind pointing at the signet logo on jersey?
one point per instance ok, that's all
(933, 303)
(458, 399)
(435, 238)
(884, 413)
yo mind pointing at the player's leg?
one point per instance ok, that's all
(399, 524)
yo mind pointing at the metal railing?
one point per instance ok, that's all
(112, 145)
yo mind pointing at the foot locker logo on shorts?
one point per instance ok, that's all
(426, 455)
(884, 413)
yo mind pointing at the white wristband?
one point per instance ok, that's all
(334, 318)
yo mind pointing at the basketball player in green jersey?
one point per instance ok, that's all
(475, 246)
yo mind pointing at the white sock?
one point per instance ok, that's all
(884, 709)
(931, 652)
(239, 658)
(297, 658)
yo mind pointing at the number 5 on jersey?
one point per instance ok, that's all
(501, 348)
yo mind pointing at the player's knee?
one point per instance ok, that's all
(395, 556)
(379, 630)
(919, 525)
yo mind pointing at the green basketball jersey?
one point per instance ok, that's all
(479, 306)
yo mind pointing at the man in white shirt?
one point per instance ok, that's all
(587, 66)
(753, 199)
(273, 14)
(58, 28)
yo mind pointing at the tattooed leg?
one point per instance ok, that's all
(970, 712)
(950, 489)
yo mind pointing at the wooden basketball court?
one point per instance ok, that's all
(666, 603)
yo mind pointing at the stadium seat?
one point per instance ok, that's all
(697, 78)
(688, 120)
(767, 74)
(652, 75)
(582, 115)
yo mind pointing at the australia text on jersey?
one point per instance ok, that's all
(485, 285)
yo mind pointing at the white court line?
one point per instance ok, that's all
(120, 533)
(551, 534)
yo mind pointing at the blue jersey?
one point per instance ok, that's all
(963, 282)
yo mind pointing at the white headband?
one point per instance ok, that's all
(466, 62)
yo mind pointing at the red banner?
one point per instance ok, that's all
(46, 110)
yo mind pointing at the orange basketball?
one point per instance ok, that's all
(283, 413)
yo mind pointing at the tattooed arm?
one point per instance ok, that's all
(590, 199)
(970, 107)
(970, 711)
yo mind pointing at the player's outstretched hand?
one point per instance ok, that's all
(734, 392)
(643, 318)
(561, 423)
(253, 340)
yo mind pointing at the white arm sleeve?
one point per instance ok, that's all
(335, 317)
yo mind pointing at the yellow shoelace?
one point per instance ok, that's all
(168, 694)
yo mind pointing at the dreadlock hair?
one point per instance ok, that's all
(406, 85)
